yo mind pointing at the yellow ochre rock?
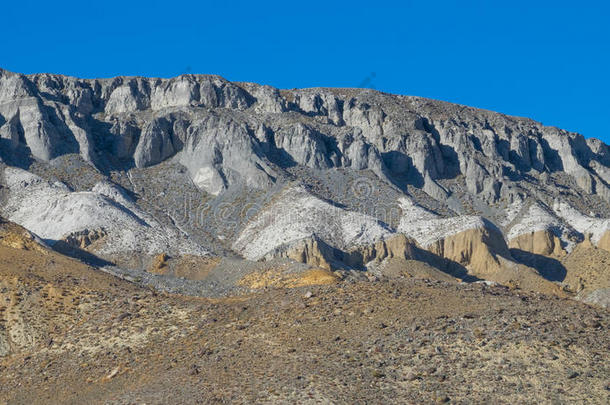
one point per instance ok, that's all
(542, 242)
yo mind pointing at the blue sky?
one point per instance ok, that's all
(546, 60)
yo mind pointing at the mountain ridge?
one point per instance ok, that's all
(201, 158)
(313, 88)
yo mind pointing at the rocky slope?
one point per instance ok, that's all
(71, 334)
(118, 171)
(194, 240)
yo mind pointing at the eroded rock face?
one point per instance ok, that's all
(80, 219)
(156, 144)
(16, 237)
(309, 251)
(395, 247)
(271, 173)
(316, 252)
(539, 242)
(604, 241)
(82, 239)
(479, 249)
(415, 140)
(220, 151)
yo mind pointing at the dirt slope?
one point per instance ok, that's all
(96, 339)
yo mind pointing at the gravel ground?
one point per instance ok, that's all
(98, 339)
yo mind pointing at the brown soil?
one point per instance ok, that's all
(80, 336)
(587, 268)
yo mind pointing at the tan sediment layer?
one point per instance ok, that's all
(542, 242)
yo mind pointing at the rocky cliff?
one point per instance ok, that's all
(128, 168)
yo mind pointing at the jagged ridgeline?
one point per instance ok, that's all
(122, 170)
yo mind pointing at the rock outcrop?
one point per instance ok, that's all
(295, 215)
(83, 239)
(310, 251)
(16, 237)
(538, 242)
(103, 215)
(604, 241)
(394, 247)
(316, 252)
(196, 164)
(481, 250)
(395, 136)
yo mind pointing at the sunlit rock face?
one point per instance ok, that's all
(206, 166)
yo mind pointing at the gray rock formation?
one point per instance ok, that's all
(239, 144)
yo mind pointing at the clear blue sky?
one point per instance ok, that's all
(546, 60)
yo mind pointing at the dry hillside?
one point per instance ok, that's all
(71, 334)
